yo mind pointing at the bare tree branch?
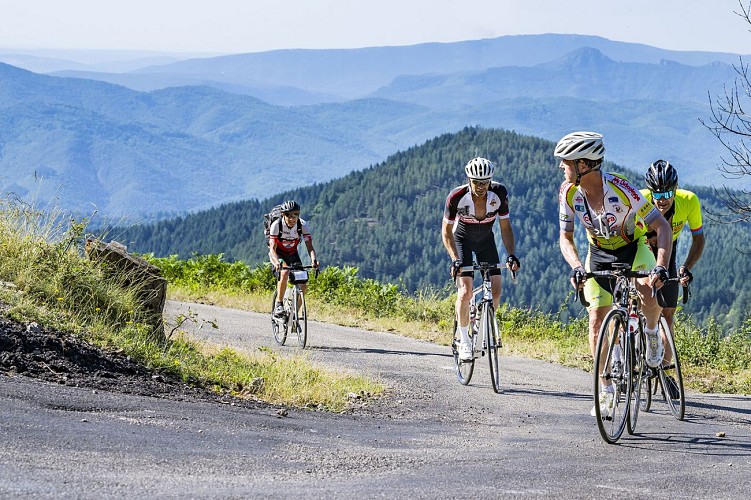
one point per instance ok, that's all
(731, 125)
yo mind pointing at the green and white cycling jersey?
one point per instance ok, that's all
(686, 209)
(626, 215)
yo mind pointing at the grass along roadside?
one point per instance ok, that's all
(713, 360)
(49, 279)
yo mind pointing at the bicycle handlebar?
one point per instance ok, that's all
(484, 267)
(627, 273)
(300, 267)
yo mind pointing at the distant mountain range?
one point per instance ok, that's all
(253, 125)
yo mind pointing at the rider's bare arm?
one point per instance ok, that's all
(507, 235)
(568, 249)
(447, 234)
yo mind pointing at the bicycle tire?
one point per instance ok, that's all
(278, 328)
(492, 343)
(641, 395)
(612, 425)
(673, 370)
(464, 368)
(301, 320)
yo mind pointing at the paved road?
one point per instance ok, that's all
(429, 437)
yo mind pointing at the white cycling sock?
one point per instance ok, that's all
(464, 333)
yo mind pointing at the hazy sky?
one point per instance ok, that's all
(234, 26)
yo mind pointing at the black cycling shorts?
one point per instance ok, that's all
(484, 249)
(289, 260)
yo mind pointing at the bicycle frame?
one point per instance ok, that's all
(295, 311)
(483, 325)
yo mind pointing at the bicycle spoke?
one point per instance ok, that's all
(491, 340)
(464, 368)
(301, 320)
(670, 376)
(611, 410)
(278, 325)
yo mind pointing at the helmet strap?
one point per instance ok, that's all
(579, 174)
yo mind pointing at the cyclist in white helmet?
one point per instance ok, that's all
(616, 216)
(285, 234)
(471, 209)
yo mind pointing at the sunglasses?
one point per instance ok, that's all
(293, 215)
(660, 196)
(480, 183)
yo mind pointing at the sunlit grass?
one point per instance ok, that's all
(47, 277)
(713, 360)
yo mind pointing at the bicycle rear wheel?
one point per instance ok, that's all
(464, 369)
(301, 320)
(671, 378)
(611, 417)
(492, 343)
(278, 325)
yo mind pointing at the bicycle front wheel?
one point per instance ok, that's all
(492, 343)
(671, 378)
(464, 368)
(611, 408)
(301, 320)
(278, 325)
(641, 395)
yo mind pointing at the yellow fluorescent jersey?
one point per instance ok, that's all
(686, 209)
(626, 215)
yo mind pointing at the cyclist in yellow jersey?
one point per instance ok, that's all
(616, 216)
(679, 207)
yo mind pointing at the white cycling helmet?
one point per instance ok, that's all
(479, 169)
(580, 145)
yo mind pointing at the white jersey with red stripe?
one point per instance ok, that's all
(287, 238)
(461, 206)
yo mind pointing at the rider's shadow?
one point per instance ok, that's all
(378, 351)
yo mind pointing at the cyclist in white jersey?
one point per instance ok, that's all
(285, 234)
(476, 204)
(614, 214)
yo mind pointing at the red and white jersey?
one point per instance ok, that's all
(459, 205)
(287, 238)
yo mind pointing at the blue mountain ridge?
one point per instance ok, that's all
(126, 152)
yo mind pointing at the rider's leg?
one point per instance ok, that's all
(281, 285)
(495, 285)
(668, 313)
(463, 296)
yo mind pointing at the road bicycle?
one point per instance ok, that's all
(620, 357)
(295, 310)
(484, 334)
(669, 373)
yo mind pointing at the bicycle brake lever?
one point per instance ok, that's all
(583, 301)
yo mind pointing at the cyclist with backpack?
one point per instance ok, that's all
(285, 233)
(614, 214)
(471, 209)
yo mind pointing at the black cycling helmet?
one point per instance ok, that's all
(289, 206)
(661, 177)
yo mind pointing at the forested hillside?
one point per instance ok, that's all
(386, 221)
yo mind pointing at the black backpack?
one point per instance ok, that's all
(275, 214)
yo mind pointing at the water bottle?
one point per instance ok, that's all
(633, 322)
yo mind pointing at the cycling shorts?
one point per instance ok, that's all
(290, 259)
(484, 249)
(599, 291)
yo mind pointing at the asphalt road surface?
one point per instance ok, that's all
(428, 437)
